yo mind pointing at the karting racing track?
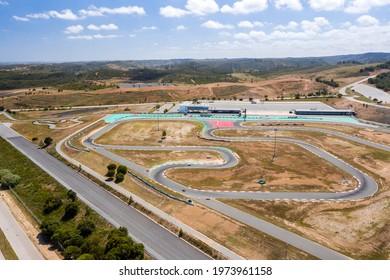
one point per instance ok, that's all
(366, 187)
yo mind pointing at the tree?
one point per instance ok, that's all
(48, 141)
(72, 253)
(4, 172)
(52, 204)
(10, 180)
(72, 195)
(49, 227)
(111, 166)
(130, 201)
(2, 108)
(86, 257)
(120, 177)
(165, 111)
(110, 173)
(86, 227)
(164, 133)
(71, 211)
(122, 169)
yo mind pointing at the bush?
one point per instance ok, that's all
(111, 166)
(10, 180)
(34, 139)
(122, 169)
(119, 178)
(72, 195)
(86, 257)
(110, 173)
(48, 141)
(86, 227)
(72, 253)
(4, 172)
(71, 211)
(49, 227)
(52, 204)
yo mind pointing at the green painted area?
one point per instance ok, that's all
(124, 117)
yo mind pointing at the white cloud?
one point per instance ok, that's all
(259, 35)
(225, 34)
(172, 12)
(250, 24)
(364, 6)
(316, 25)
(149, 28)
(38, 16)
(74, 29)
(245, 7)
(91, 37)
(65, 14)
(367, 20)
(242, 36)
(216, 25)
(99, 36)
(110, 26)
(4, 3)
(290, 4)
(80, 37)
(202, 7)
(20, 19)
(94, 11)
(290, 26)
(246, 24)
(132, 35)
(326, 5)
(181, 28)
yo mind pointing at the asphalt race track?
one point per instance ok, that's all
(367, 186)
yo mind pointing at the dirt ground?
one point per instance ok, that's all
(153, 158)
(29, 226)
(371, 113)
(147, 133)
(293, 169)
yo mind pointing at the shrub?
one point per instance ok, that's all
(119, 178)
(111, 166)
(122, 169)
(72, 195)
(86, 227)
(52, 204)
(72, 253)
(71, 210)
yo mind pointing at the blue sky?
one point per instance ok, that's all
(74, 30)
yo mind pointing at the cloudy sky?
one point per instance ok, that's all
(74, 30)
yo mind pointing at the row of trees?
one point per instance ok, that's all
(331, 83)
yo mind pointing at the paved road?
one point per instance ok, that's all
(16, 236)
(371, 92)
(158, 242)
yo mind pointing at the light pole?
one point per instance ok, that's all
(158, 122)
(274, 155)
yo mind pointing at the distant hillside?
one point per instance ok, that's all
(199, 71)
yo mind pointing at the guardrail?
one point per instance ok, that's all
(186, 201)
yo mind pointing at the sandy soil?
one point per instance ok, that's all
(153, 158)
(294, 169)
(145, 133)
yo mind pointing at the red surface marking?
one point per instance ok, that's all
(222, 123)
